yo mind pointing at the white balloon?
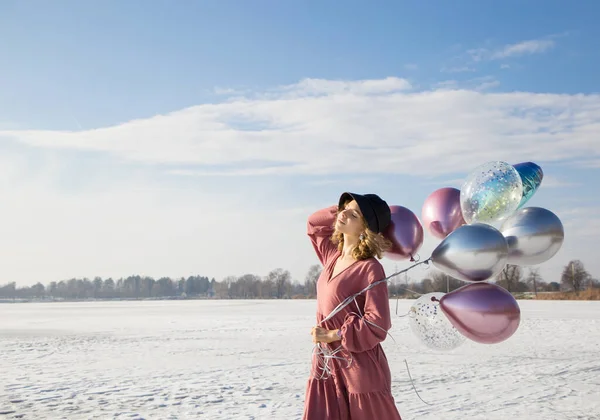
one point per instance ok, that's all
(429, 323)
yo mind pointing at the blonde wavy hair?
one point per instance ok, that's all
(373, 244)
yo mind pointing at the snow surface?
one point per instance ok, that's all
(250, 360)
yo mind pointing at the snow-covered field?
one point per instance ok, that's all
(250, 360)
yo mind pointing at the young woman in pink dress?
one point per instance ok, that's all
(356, 384)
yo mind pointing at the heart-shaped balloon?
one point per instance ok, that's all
(534, 235)
(405, 232)
(531, 177)
(473, 253)
(441, 213)
(483, 312)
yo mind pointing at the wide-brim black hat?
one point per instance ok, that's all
(375, 210)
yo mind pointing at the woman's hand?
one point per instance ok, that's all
(321, 335)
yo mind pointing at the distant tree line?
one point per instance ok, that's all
(513, 278)
(278, 284)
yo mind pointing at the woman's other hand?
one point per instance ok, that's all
(322, 335)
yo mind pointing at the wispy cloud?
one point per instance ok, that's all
(471, 60)
(478, 84)
(321, 87)
(411, 66)
(459, 69)
(529, 47)
(534, 46)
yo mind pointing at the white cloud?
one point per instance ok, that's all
(553, 182)
(490, 53)
(534, 46)
(320, 127)
(319, 87)
(581, 221)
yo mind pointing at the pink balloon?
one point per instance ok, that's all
(406, 233)
(483, 312)
(441, 212)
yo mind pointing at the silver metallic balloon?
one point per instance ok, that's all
(491, 193)
(474, 252)
(534, 235)
(429, 323)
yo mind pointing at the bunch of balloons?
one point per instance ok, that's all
(483, 227)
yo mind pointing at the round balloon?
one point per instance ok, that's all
(531, 177)
(491, 193)
(430, 325)
(405, 232)
(472, 253)
(441, 213)
(483, 312)
(534, 235)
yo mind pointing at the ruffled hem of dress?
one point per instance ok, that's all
(323, 400)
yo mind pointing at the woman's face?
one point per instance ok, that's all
(350, 220)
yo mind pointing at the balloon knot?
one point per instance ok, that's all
(412, 259)
(434, 299)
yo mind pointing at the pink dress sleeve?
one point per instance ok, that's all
(359, 334)
(320, 229)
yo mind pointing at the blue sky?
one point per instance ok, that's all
(151, 123)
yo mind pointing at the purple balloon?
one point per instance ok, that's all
(483, 312)
(441, 213)
(405, 232)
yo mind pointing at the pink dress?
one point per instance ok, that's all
(362, 389)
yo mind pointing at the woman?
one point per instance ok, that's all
(355, 383)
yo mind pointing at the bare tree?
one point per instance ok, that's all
(533, 279)
(427, 285)
(281, 280)
(510, 277)
(310, 281)
(574, 276)
(442, 282)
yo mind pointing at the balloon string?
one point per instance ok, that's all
(413, 383)
(324, 356)
(402, 316)
(349, 299)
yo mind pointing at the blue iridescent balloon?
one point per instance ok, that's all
(531, 176)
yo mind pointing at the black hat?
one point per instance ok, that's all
(375, 211)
